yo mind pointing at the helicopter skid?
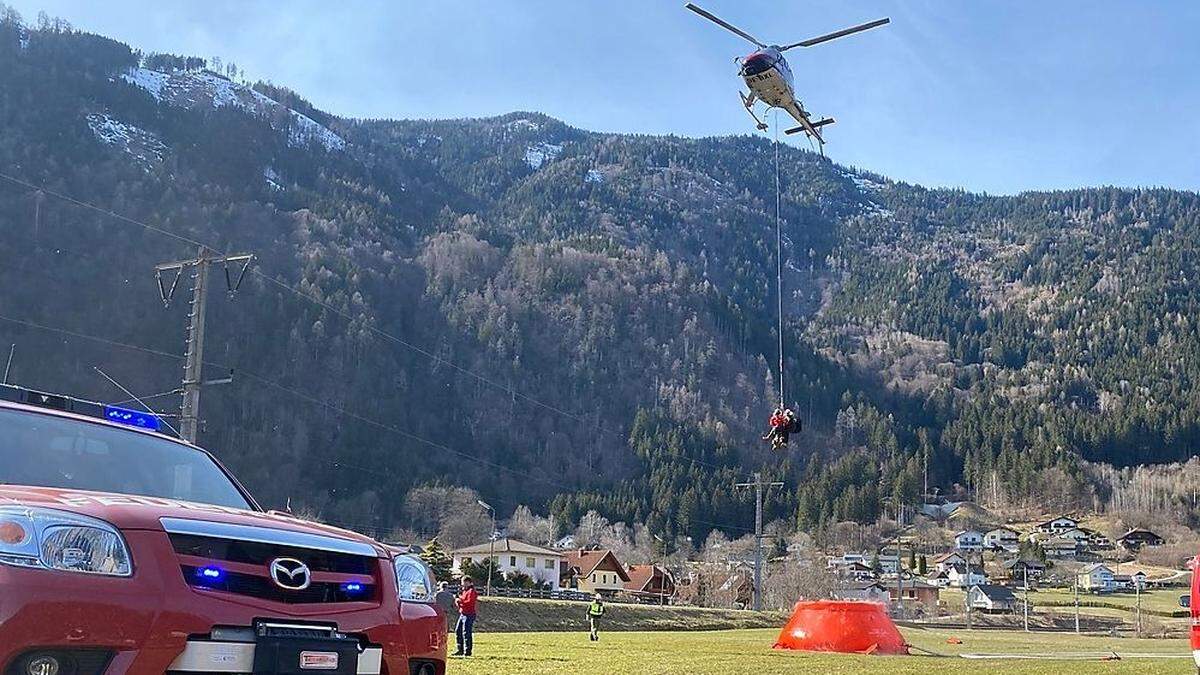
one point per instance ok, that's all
(748, 103)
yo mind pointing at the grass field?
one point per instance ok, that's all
(749, 651)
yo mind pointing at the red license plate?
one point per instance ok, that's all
(318, 661)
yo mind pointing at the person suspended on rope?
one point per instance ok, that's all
(775, 425)
(783, 423)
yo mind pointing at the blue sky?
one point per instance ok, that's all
(989, 95)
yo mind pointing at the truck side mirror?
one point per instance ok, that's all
(1185, 601)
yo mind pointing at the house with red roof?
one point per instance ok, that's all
(650, 582)
(596, 571)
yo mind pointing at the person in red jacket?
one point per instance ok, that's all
(783, 423)
(464, 631)
(776, 425)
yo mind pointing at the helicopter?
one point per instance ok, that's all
(769, 78)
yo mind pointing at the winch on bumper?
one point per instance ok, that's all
(279, 648)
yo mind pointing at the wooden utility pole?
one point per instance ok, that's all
(1138, 590)
(193, 368)
(1077, 602)
(758, 486)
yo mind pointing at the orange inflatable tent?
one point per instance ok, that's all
(841, 626)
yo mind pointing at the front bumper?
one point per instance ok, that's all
(151, 620)
(238, 657)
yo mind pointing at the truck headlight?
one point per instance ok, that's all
(414, 579)
(58, 540)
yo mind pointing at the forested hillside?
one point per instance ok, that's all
(575, 320)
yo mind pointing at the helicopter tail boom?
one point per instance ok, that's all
(815, 125)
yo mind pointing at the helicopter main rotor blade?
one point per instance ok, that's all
(841, 33)
(724, 24)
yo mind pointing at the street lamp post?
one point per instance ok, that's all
(492, 547)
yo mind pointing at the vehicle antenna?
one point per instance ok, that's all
(133, 396)
(7, 368)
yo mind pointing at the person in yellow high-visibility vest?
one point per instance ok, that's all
(595, 611)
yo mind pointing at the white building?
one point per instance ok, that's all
(1058, 525)
(962, 576)
(1002, 538)
(1097, 578)
(969, 540)
(869, 591)
(541, 564)
(1079, 535)
(988, 598)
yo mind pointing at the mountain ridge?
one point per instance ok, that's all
(598, 307)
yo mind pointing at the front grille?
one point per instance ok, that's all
(255, 553)
(245, 570)
(262, 587)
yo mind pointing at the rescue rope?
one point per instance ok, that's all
(779, 262)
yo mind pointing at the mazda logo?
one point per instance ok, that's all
(290, 574)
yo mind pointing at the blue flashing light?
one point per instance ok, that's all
(352, 588)
(132, 418)
(210, 573)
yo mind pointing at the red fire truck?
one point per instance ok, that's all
(125, 550)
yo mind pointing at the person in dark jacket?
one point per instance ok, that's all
(464, 631)
(595, 611)
(446, 601)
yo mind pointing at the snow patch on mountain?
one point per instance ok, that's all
(200, 88)
(142, 145)
(869, 189)
(539, 154)
(23, 40)
(523, 124)
(273, 178)
(593, 176)
(863, 183)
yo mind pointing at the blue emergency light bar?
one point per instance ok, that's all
(133, 418)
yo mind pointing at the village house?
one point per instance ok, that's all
(594, 572)
(845, 560)
(991, 599)
(511, 555)
(945, 561)
(1002, 538)
(857, 572)
(889, 562)
(868, 591)
(970, 541)
(739, 587)
(651, 583)
(1057, 525)
(1062, 548)
(1078, 534)
(964, 576)
(1129, 582)
(1135, 539)
(1016, 571)
(915, 591)
(938, 578)
(1095, 578)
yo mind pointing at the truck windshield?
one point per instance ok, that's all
(48, 451)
